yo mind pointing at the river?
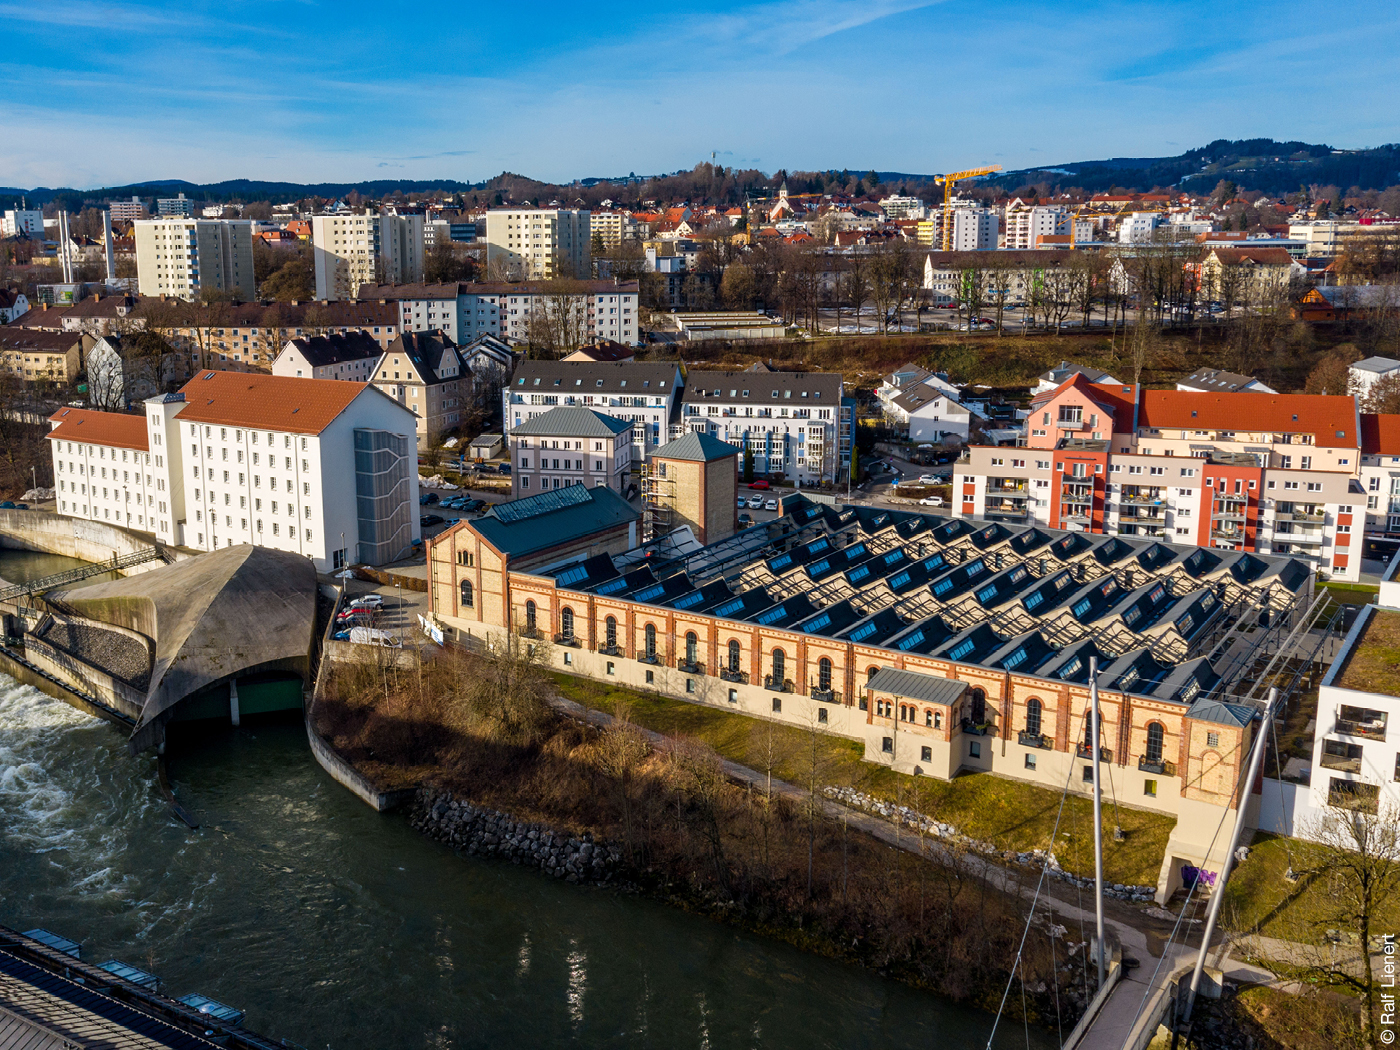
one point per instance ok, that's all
(332, 925)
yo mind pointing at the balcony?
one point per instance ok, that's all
(530, 632)
(826, 696)
(1002, 488)
(690, 666)
(972, 728)
(648, 658)
(1344, 758)
(742, 677)
(1040, 740)
(776, 685)
(610, 650)
(1360, 721)
(1070, 424)
(569, 640)
(1151, 498)
(1315, 517)
(1085, 751)
(1228, 535)
(1298, 537)
(1160, 767)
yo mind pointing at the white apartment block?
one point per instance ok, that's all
(16, 221)
(897, 207)
(975, 229)
(1139, 226)
(326, 470)
(571, 446)
(544, 243)
(647, 395)
(183, 257)
(1025, 225)
(613, 227)
(128, 211)
(790, 421)
(351, 250)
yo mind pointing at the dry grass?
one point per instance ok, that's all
(1008, 813)
(1374, 666)
(1314, 1020)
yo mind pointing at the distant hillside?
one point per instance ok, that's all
(1252, 164)
(239, 189)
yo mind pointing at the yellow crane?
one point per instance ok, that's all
(948, 182)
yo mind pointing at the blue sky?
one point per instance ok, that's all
(102, 92)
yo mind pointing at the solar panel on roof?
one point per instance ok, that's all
(544, 503)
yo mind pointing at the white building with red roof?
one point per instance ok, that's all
(318, 467)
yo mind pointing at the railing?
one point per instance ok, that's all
(742, 677)
(783, 686)
(45, 583)
(1298, 515)
(1085, 751)
(1007, 490)
(648, 658)
(569, 640)
(972, 728)
(610, 650)
(690, 666)
(1040, 740)
(1342, 763)
(530, 632)
(826, 696)
(1070, 424)
(1161, 767)
(1155, 501)
(1350, 727)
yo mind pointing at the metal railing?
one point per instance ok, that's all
(826, 696)
(742, 677)
(82, 572)
(690, 666)
(610, 650)
(569, 640)
(1085, 751)
(1162, 767)
(648, 658)
(1039, 740)
(783, 686)
(1351, 727)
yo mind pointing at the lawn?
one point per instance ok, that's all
(1012, 815)
(1259, 899)
(1374, 666)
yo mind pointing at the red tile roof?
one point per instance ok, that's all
(258, 401)
(100, 428)
(1332, 419)
(1380, 434)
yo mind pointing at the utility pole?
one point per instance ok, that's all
(1256, 759)
(1098, 816)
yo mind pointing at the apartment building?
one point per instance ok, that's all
(1026, 223)
(1016, 274)
(503, 310)
(184, 257)
(424, 372)
(645, 394)
(1178, 466)
(326, 470)
(34, 356)
(177, 207)
(128, 211)
(975, 229)
(572, 446)
(791, 422)
(28, 222)
(612, 227)
(353, 249)
(352, 356)
(1380, 474)
(534, 243)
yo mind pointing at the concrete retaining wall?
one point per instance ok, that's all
(37, 530)
(83, 676)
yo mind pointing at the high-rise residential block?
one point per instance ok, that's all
(184, 257)
(354, 249)
(538, 242)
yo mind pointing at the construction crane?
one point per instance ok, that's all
(948, 182)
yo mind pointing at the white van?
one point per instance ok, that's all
(373, 636)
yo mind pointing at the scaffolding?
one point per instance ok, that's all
(658, 501)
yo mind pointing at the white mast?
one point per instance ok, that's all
(1098, 815)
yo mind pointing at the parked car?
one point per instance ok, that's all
(743, 503)
(772, 504)
(432, 497)
(761, 483)
(367, 601)
(755, 502)
(745, 520)
(21, 506)
(932, 501)
(373, 636)
(428, 520)
(474, 505)
(928, 479)
(7, 505)
(341, 636)
(504, 468)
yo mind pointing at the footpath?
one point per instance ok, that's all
(1142, 936)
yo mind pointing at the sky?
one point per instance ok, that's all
(105, 92)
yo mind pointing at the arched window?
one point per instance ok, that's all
(979, 707)
(566, 622)
(1155, 733)
(466, 594)
(901, 712)
(529, 616)
(1089, 732)
(824, 673)
(610, 631)
(928, 717)
(734, 656)
(779, 665)
(651, 641)
(1033, 716)
(691, 644)
(871, 672)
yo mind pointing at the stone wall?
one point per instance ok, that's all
(93, 541)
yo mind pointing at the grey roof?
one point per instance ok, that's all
(1361, 295)
(582, 377)
(1218, 379)
(765, 387)
(396, 292)
(1221, 712)
(700, 447)
(1066, 369)
(564, 421)
(426, 351)
(915, 686)
(551, 518)
(1377, 364)
(322, 350)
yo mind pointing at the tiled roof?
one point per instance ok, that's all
(426, 352)
(1331, 419)
(267, 402)
(1380, 434)
(1256, 256)
(41, 339)
(40, 317)
(337, 347)
(113, 429)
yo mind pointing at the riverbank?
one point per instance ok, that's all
(689, 836)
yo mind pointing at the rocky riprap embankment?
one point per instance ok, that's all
(492, 833)
(912, 818)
